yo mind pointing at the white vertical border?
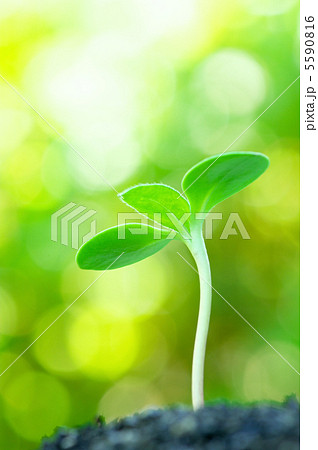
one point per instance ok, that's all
(309, 242)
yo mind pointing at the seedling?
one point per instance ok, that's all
(204, 186)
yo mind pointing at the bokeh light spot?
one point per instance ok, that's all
(34, 404)
(22, 173)
(134, 291)
(232, 81)
(100, 348)
(8, 315)
(276, 194)
(14, 128)
(52, 350)
(268, 7)
(267, 376)
(128, 396)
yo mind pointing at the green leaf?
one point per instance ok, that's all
(159, 199)
(215, 179)
(120, 246)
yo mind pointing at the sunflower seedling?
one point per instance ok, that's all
(203, 186)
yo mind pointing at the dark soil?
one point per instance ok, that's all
(222, 426)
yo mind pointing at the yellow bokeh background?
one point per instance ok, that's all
(142, 90)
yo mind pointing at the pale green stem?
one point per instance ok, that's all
(198, 250)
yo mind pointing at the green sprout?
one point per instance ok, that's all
(181, 216)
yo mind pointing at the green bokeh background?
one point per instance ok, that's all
(143, 90)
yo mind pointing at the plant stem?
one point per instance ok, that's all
(198, 250)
